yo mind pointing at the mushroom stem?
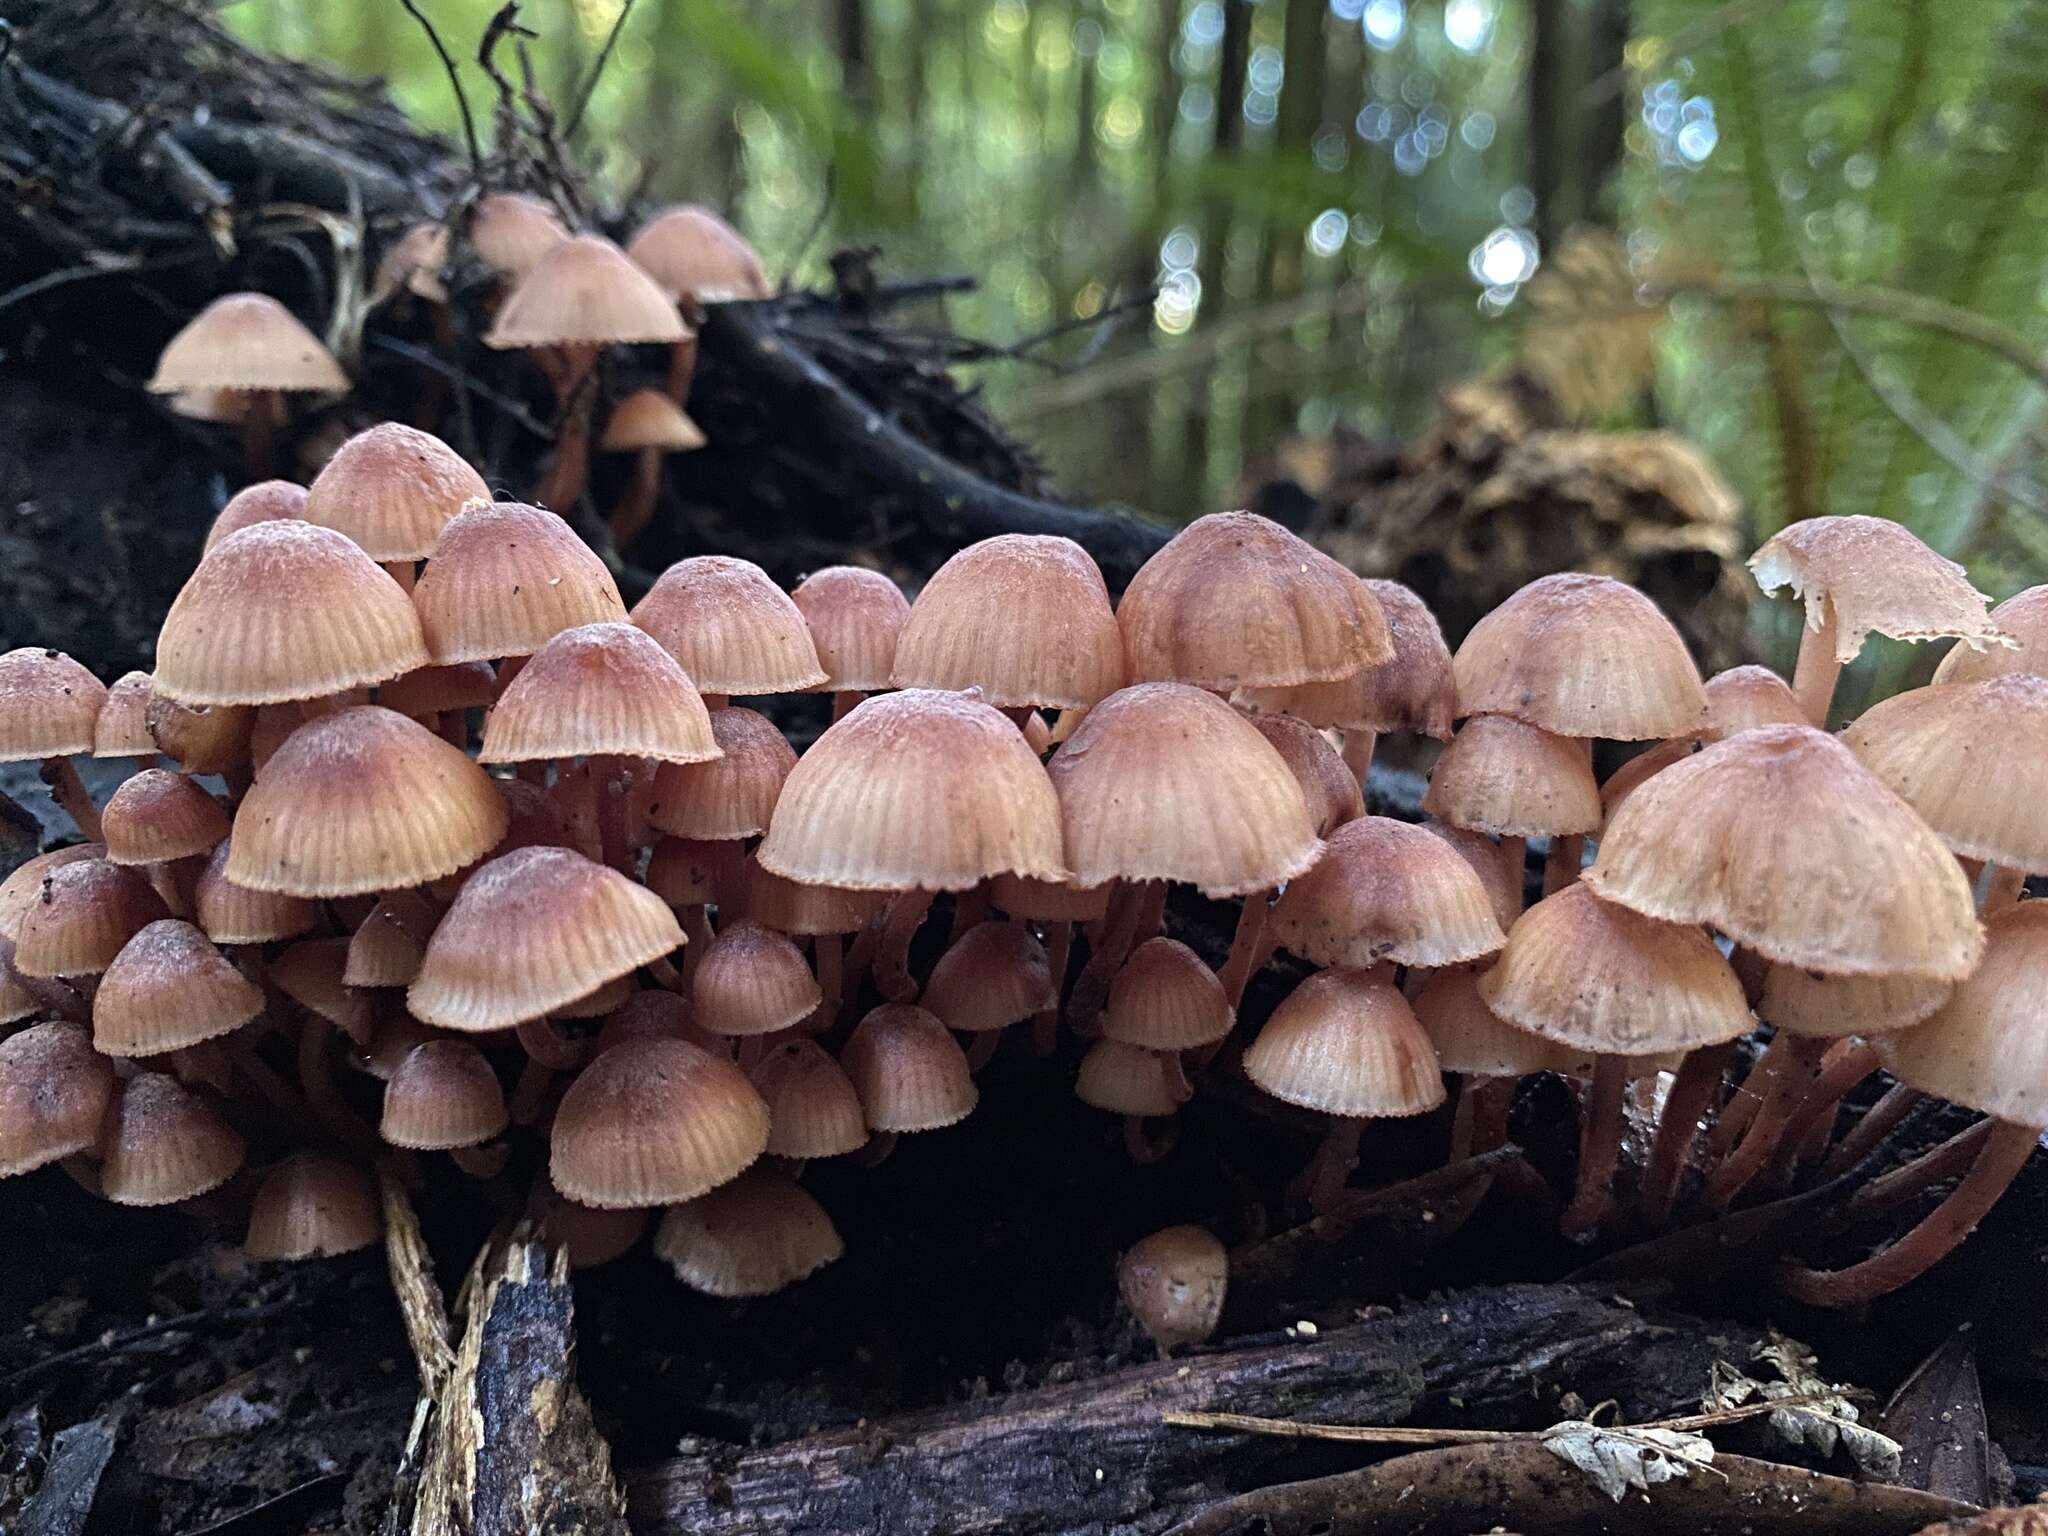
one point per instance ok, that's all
(1562, 864)
(716, 700)
(1480, 1122)
(1847, 1063)
(1514, 853)
(1091, 988)
(84, 1171)
(969, 908)
(163, 879)
(1815, 673)
(529, 1103)
(2005, 1151)
(682, 367)
(1943, 1161)
(1359, 745)
(1878, 1122)
(635, 509)
(877, 1150)
(401, 571)
(610, 781)
(1059, 952)
(1692, 1092)
(1250, 949)
(665, 974)
(829, 964)
(906, 915)
(696, 934)
(68, 790)
(1599, 1149)
(844, 702)
(316, 1079)
(1329, 1170)
(1144, 1148)
(983, 1048)
(573, 372)
(1791, 1061)
(485, 1162)
(537, 1037)
(262, 421)
(2002, 890)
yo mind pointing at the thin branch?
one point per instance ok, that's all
(469, 138)
(1373, 1434)
(803, 246)
(1603, 88)
(604, 57)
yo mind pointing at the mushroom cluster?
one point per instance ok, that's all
(455, 854)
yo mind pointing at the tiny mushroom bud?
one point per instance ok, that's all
(1174, 1283)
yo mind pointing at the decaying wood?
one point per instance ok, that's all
(1093, 1457)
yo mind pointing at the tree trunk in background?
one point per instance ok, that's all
(1233, 58)
(1600, 154)
(1274, 400)
(851, 37)
(1547, 148)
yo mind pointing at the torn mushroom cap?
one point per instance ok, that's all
(686, 873)
(695, 256)
(1130, 1080)
(204, 738)
(157, 815)
(1049, 901)
(161, 1144)
(267, 501)
(732, 795)
(2022, 619)
(584, 292)
(1346, 1044)
(731, 628)
(751, 980)
(655, 1122)
(1165, 782)
(753, 1237)
(413, 262)
(234, 914)
(280, 611)
(122, 726)
(392, 489)
(313, 973)
(246, 341)
(1972, 759)
(1593, 976)
(360, 801)
(1875, 575)
(909, 1071)
(649, 419)
(590, 1237)
(1385, 890)
(1743, 698)
(1414, 693)
(1758, 836)
(49, 705)
(1328, 786)
(81, 916)
(1507, 777)
(1236, 601)
(1820, 1006)
(855, 616)
(1582, 656)
(813, 1109)
(858, 808)
(1165, 999)
(532, 931)
(992, 976)
(504, 579)
(442, 1095)
(1472, 1039)
(599, 690)
(1024, 618)
(385, 951)
(1985, 1048)
(55, 1090)
(511, 231)
(1174, 1282)
(167, 989)
(794, 908)
(312, 1205)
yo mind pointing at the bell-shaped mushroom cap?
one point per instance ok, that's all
(1594, 976)
(916, 791)
(204, 738)
(234, 914)
(752, 980)
(1630, 776)
(732, 629)
(813, 1110)
(55, 1090)
(753, 1237)
(392, 489)
(1328, 786)
(729, 796)
(504, 579)
(284, 610)
(246, 341)
(23, 888)
(695, 255)
(649, 419)
(1049, 901)
(431, 690)
(1174, 1282)
(532, 931)
(314, 974)
(386, 950)
(1874, 575)
(267, 501)
(599, 689)
(1166, 782)
(1505, 878)
(1236, 601)
(157, 815)
(584, 293)
(1024, 618)
(1743, 698)
(1781, 840)
(992, 976)
(591, 1238)
(1386, 890)
(312, 1206)
(49, 705)
(1507, 777)
(511, 231)
(1819, 1006)
(1971, 758)
(442, 1095)
(1415, 692)
(359, 801)
(1984, 1048)
(1347, 1044)
(655, 1122)
(1581, 656)
(910, 1073)
(1165, 999)
(162, 1144)
(169, 988)
(122, 726)
(2023, 620)
(791, 907)
(82, 915)
(413, 262)
(1130, 1080)
(1470, 1038)
(855, 616)
(687, 873)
